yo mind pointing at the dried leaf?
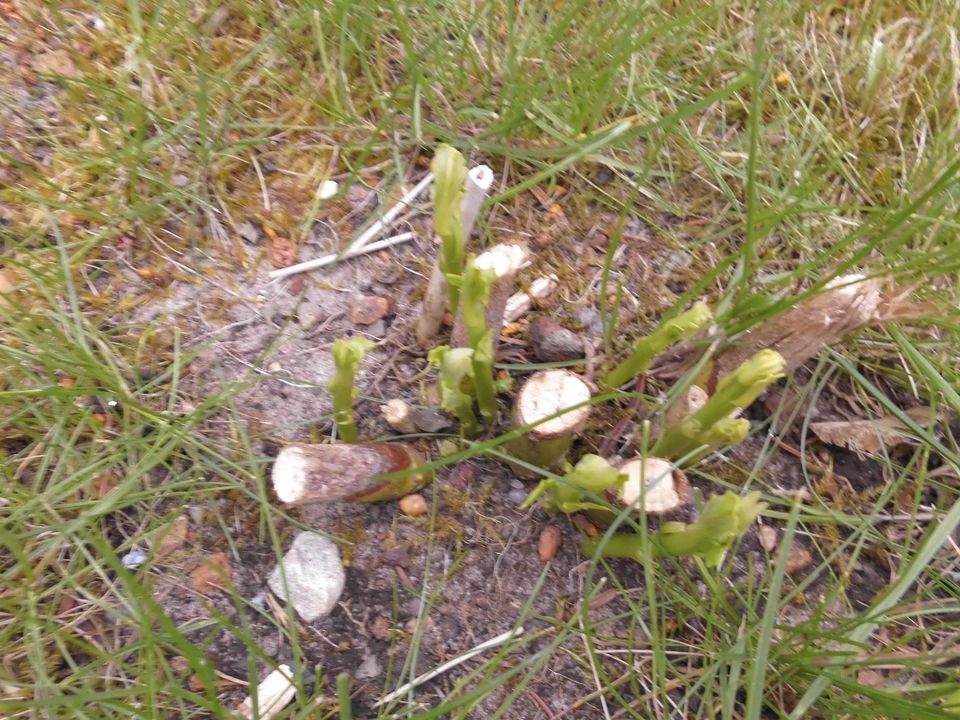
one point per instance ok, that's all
(862, 436)
(6, 286)
(211, 574)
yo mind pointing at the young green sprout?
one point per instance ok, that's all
(348, 353)
(646, 348)
(475, 296)
(456, 384)
(450, 172)
(592, 475)
(711, 425)
(723, 519)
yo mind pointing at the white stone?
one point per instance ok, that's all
(314, 576)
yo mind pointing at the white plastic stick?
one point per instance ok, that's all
(475, 189)
(419, 680)
(333, 257)
(391, 214)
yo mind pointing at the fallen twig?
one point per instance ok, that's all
(429, 675)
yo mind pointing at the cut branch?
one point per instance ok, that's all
(547, 393)
(304, 474)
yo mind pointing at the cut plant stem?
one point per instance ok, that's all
(735, 392)
(304, 474)
(456, 201)
(520, 303)
(848, 303)
(653, 485)
(474, 299)
(723, 519)
(690, 400)
(660, 485)
(456, 384)
(504, 261)
(646, 348)
(544, 394)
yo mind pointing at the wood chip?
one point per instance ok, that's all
(550, 539)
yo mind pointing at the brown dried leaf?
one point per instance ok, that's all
(283, 253)
(6, 286)
(862, 436)
(211, 574)
(870, 678)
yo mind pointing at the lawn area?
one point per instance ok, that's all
(158, 160)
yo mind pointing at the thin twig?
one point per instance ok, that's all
(333, 257)
(419, 680)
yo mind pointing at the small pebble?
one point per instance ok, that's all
(516, 497)
(367, 309)
(798, 559)
(768, 538)
(414, 505)
(314, 574)
(551, 342)
(429, 419)
(133, 559)
(588, 318)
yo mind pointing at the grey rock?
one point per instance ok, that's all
(429, 419)
(552, 342)
(588, 318)
(314, 574)
(369, 668)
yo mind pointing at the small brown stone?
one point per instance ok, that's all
(798, 559)
(414, 505)
(550, 538)
(367, 309)
(211, 574)
(551, 342)
(870, 678)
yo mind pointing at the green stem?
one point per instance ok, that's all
(734, 392)
(475, 297)
(347, 354)
(646, 348)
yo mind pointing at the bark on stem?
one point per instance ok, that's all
(544, 394)
(304, 474)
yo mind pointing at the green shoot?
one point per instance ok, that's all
(347, 353)
(475, 295)
(723, 519)
(735, 392)
(450, 172)
(456, 384)
(646, 348)
(592, 474)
